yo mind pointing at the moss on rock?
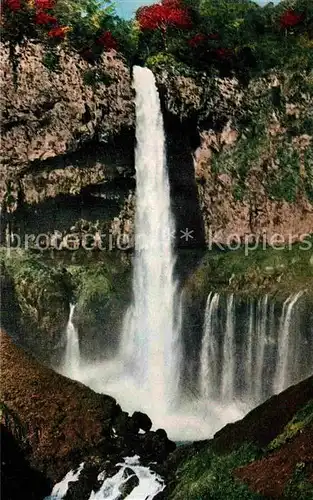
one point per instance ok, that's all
(42, 296)
(255, 270)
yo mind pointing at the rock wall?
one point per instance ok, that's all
(47, 115)
(252, 150)
(240, 154)
(61, 423)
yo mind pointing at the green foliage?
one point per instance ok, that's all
(43, 293)
(255, 269)
(51, 60)
(308, 165)
(287, 178)
(235, 36)
(302, 419)
(162, 59)
(208, 476)
(96, 76)
(299, 486)
(93, 285)
(88, 26)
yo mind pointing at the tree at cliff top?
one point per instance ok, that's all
(89, 26)
(162, 23)
(232, 35)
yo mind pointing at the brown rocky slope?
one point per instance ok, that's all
(60, 422)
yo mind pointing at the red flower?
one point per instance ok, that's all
(107, 40)
(45, 4)
(13, 4)
(44, 18)
(196, 40)
(163, 15)
(290, 18)
(58, 32)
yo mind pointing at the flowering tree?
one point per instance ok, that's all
(170, 13)
(290, 19)
(84, 22)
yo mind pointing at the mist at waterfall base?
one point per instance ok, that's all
(233, 372)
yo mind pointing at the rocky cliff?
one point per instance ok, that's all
(240, 154)
(63, 129)
(252, 150)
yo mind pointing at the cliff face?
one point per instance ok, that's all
(252, 150)
(47, 115)
(240, 155)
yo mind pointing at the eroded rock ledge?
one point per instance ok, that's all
(48, 114)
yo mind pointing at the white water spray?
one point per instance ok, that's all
(209, 350)
(247, 366)
(149, 483)
(71, 366)
(284, 344)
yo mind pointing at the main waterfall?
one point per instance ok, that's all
(150, 348)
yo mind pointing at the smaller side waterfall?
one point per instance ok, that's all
(251, 350)
(229, 355)
(71, 364)
(285, 344)
(209, 351)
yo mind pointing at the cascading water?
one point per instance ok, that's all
(149, 350)
(229, 359)
(209, 350)
(240, 365)
(285, 347)
(71, 364)
(256, 363)
(262, 318)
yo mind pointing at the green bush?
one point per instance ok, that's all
(302, 419)
(208, 476)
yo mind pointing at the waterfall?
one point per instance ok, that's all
(229, 358)
(250, 361)
(149, 349)
(261, 331)
(209, 350)
(240, 362)
(71, 365)
(285, 351)
(249, 351)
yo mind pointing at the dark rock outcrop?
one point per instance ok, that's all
(18, 478)
(142, 421)
(62, 423)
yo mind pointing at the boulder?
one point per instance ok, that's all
(142, 421)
